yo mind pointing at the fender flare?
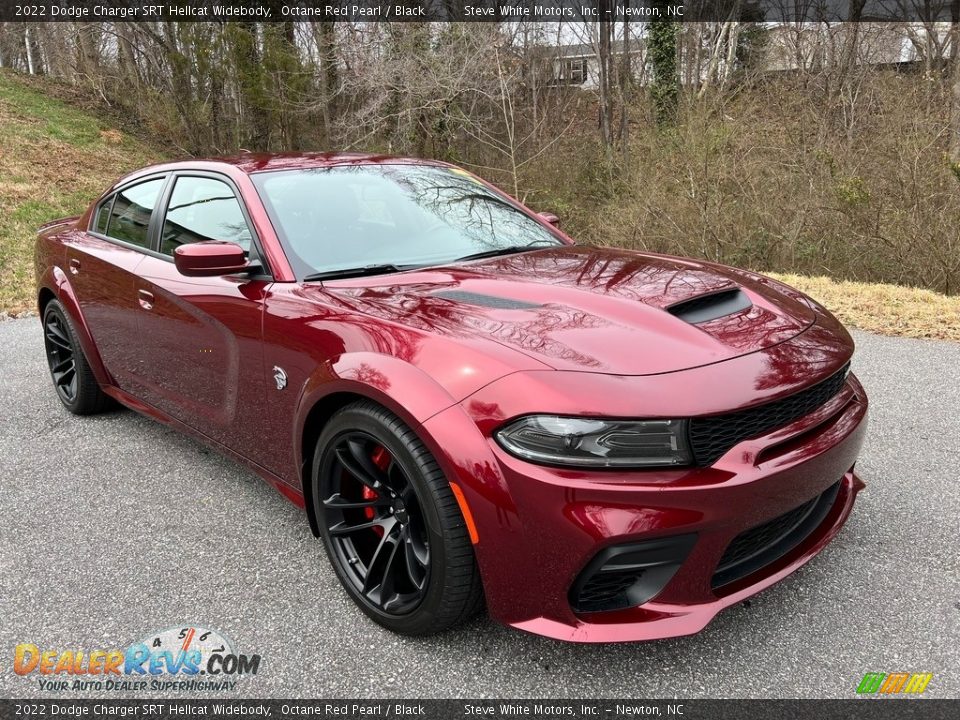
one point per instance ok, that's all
(403, 389)
(465, 455)
(55, 280)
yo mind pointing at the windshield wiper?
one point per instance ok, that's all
(510, 250)
(357, 272)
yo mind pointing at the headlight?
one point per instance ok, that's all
(587, 442)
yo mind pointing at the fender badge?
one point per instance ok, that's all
(280, 377)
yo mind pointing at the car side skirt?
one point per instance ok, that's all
(143, 408)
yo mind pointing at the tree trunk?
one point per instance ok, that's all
(626, 86)
(852, 41)
(530, 58)
(256, 130)
(27, 44)
(954, 34)
(955, 115)
(665, 87)
(605, 28)
(327, 82)
(733, 40)
(714, 65)
(88, 51)
(126, 60)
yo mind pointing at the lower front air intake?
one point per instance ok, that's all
(623, 576)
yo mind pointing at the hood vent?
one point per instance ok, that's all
(490, 301)
(705, 308)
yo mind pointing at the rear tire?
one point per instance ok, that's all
(390, 524)
(76, 386)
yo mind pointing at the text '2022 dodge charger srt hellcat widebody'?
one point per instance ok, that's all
(596, 444)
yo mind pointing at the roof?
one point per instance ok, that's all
(250, 163)
(262, 162)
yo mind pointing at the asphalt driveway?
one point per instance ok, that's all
(114, 526)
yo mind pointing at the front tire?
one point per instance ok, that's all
(391, 526)
(72, 377)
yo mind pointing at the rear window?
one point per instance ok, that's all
(103, 215)
(130, 216)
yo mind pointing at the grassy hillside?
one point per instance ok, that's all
(53, 161)
(884, 309)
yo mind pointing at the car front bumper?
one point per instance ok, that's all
(541, 527)
(688, 602)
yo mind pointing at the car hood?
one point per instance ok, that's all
(590, 309)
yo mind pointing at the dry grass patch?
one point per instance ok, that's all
(53, 161)
(884, 309)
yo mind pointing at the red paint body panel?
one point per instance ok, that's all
(593, 337)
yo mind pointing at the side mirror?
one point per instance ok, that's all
(206, 259)
(550, 218)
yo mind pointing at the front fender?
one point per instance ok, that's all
(466, 458)
(57, 281)
(405, 390)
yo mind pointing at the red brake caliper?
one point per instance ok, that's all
(381, 458)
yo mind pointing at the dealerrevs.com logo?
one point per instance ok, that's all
(180, 658)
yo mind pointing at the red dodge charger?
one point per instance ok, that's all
(596, 444)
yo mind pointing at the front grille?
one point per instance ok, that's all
(753, 549)
(711, 437)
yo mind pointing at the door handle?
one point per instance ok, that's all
(146, 299)
(74, 266)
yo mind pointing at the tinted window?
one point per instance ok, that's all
(103, 214)
(130, 216)
(344, 217)
(203, 209)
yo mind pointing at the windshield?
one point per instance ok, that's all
(346, 217)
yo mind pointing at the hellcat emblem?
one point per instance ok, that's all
(280, 377)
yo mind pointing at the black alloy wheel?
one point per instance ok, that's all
(73, 379)
(391, 526)
(379, 534)
(60, 356)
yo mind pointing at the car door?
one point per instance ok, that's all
(203, 335)
(102, 263)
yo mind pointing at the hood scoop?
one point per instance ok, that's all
(490, 301)
(704, 308)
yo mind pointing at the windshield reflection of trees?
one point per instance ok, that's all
(467, 206)
(419, 203)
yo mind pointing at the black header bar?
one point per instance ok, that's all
(830, 11)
